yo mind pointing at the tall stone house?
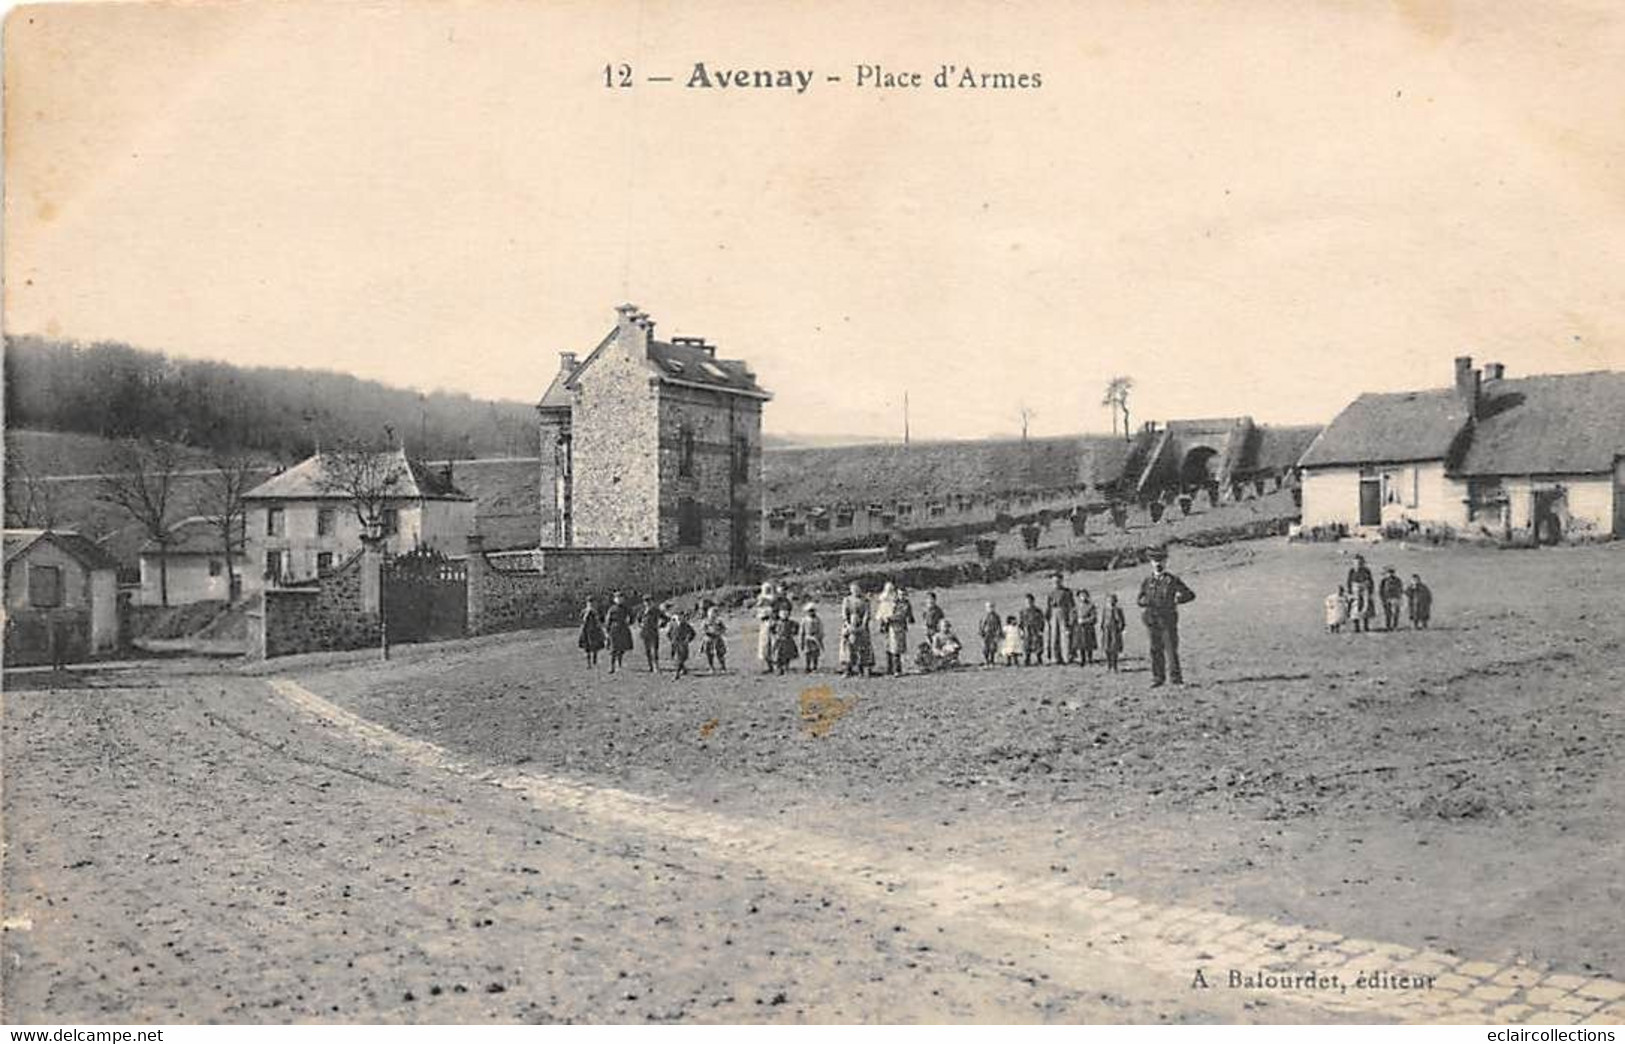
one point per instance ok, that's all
(651, 444)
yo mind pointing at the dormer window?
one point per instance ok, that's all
(714, 370)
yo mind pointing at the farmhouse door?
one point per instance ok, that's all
(425, 597)
(1548, 523)
(1370, 502)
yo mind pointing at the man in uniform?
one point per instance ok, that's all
(1060, 610)
(1161, 595)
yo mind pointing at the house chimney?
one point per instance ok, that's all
(1467, 384)
(632, 331)
(567, 363)
(1494, 372)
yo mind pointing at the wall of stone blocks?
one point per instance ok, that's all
(504, 595)
(322, 617)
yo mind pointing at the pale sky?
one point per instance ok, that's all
(1259, 208)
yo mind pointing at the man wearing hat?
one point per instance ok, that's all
(1391, 590)
(1161, 595)
(1363, 589)
(1060, 610)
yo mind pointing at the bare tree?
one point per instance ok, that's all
(1116, 399)
(30, 497)
(1027, 414)
(367, 479)
(142, 481)
(233, 474)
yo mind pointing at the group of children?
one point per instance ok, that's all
(1020, 640)
(1356, 601)
(784, 641)
(612, 629)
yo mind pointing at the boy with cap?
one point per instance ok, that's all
(1392, 592)
(1032, 631)
(991, 629)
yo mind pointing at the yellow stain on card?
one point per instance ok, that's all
(821, 709)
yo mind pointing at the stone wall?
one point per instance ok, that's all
(505, 593)
(338, 612)
(549, 586)
(844, 525)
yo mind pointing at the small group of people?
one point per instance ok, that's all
(782, 639)
(1069, 628)
(1356, 602)
(612, 628)
(893, 613)
(1064, 631)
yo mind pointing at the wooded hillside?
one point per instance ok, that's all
(115, 391)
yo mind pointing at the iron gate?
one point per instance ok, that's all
(425, 597)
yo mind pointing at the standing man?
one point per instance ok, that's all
(1161, 595)
(1060, 616)
(1392, 591)
(652, 620)
(1362, 589)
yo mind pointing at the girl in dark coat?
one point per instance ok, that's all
(1112, 625)
(591, 637)
(785, 647)
(1088, 615)
(618, 627)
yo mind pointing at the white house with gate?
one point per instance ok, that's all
(1536, 457)
(302, 522)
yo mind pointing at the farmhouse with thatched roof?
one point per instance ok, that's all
(1538, 458)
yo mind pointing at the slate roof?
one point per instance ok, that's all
(198, 535)
(308, 480)
(1390, 428)
(81, 548)
(674, 362)
(1557, 424)
(692, 364)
